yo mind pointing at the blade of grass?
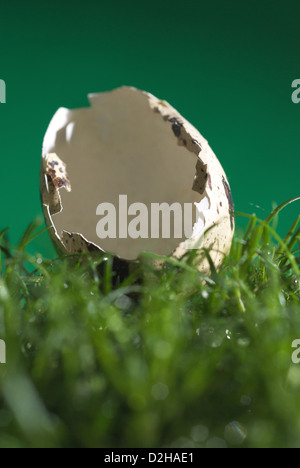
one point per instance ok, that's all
(279, 208)
(38, 234)
(278, 239)
(250, 226)
(251, 248)
(2, 234)
(28, 234)
(289, 234)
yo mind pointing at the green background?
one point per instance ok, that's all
(227, 66)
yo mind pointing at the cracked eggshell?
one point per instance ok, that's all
(129, 142)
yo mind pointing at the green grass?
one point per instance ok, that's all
(168, 358)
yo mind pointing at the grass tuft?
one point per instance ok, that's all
(165, 358)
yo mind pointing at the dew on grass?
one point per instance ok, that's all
(216, 442)
(123, 302)
(160, 391)
(182, 442)
(243, 342)
(235, 433)
(217, 341)
(245, 400)
(199, 433)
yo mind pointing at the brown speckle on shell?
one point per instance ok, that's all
(53, 165)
